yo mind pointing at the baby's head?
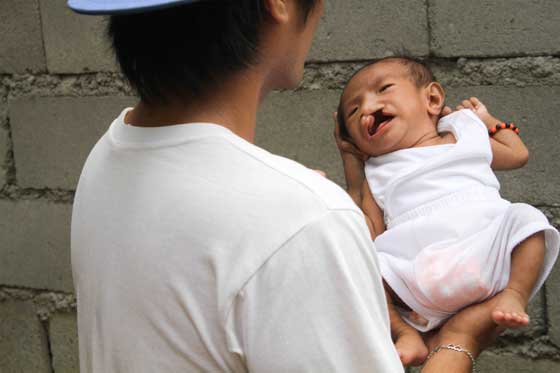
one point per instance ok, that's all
(390, 104)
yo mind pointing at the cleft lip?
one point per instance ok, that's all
(379, 118)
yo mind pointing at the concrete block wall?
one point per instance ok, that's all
(60, 88)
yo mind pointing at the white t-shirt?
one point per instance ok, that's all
(194, 250)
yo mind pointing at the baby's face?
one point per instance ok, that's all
(382, 106)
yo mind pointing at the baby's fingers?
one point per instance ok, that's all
(342, 144)
(467, 104)
(446, 111)
(476, 102)
(478, 105)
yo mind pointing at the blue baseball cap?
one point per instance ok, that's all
(122, 6)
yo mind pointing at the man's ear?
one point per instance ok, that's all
(435, 96)
(278, 10)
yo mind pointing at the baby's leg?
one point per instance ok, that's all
(526, 263)
(408, 342)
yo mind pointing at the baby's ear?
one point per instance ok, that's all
(435, 96)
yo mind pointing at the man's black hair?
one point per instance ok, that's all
(184, 51)
(418, 71)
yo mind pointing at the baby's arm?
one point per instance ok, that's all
(508, 149)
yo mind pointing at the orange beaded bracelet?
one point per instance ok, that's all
(501, 126)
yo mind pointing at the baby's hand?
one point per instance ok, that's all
(479, 109)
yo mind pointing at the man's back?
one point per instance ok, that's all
(194, 250)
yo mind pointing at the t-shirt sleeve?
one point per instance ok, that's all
(471, 130)
(316, 305)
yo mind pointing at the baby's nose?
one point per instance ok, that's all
(370, 105)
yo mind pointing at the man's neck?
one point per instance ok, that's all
(233, 105)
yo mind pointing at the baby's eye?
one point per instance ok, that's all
(385, 87)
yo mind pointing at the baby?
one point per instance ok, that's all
(444, 237)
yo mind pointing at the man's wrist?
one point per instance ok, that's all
(448, 360)
(349, 155)
(352, 162)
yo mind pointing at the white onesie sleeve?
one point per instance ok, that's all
(317, 305)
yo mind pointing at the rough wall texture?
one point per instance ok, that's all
(59, 89)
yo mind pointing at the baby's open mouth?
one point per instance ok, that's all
(379, 119)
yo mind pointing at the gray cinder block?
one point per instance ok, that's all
(299, 126)
(21, 44)
(74, 43)
(35, 245)
(63, 334)
(52, 136)
(509, 363)
(3, 155)
(365, 29)
(494, 28)
(23, 343)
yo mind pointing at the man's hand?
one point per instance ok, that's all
(321, 172)
(472, 328)
(346, 147)
(353, 161)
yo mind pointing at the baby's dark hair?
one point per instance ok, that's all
(419, 73)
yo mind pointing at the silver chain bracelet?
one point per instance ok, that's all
(454, 348)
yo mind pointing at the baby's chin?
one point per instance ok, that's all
(373, 146)
(383, 150)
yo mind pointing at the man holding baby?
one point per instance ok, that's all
(252, 262)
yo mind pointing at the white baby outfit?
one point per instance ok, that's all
(449, 234)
